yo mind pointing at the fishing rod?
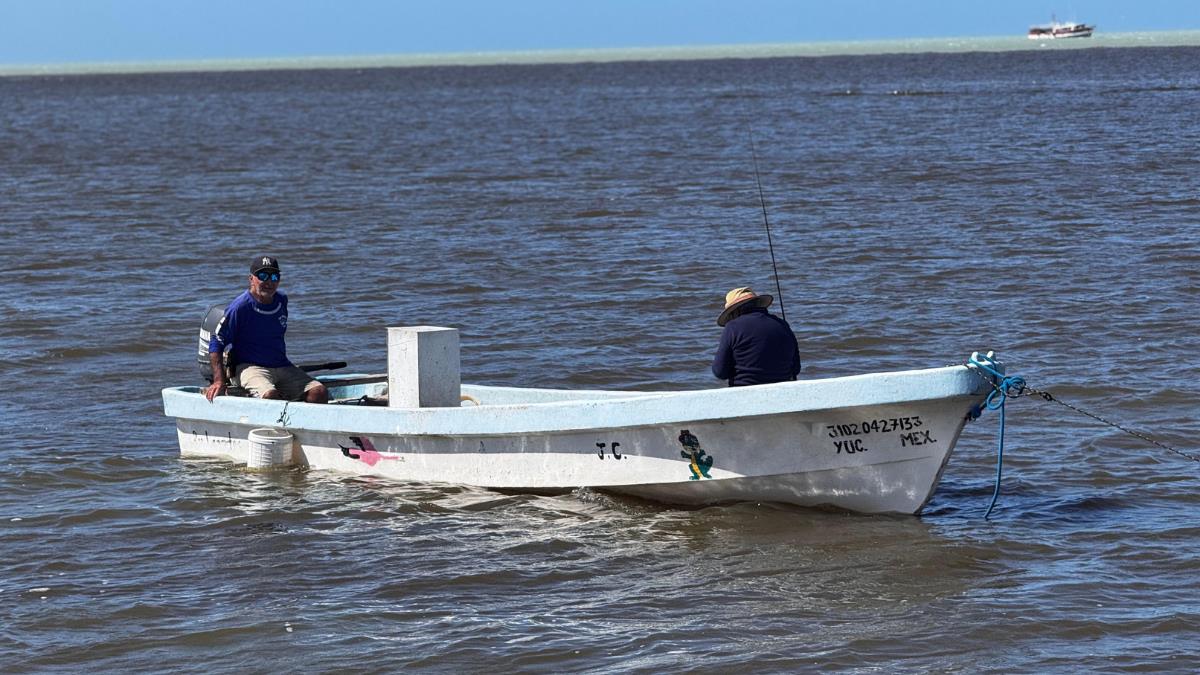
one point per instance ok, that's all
(767, 224)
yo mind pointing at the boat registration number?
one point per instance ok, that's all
(850, 438)
(879, 426)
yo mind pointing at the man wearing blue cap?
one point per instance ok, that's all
(252, 328)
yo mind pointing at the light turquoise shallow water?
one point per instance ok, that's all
(944, 45)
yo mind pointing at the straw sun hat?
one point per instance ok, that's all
(738, 298)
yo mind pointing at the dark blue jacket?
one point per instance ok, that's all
(757, 348)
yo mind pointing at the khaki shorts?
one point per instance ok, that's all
(291, 381)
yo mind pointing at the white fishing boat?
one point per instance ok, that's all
(874, 443)
(1055, 30)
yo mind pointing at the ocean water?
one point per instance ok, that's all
(580, 224)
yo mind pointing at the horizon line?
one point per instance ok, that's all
(959, 44)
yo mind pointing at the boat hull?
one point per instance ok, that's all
(803, 443)
(1059, 31)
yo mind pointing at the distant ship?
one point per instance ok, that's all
(1054, 30)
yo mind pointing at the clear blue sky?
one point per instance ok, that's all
(72, 31)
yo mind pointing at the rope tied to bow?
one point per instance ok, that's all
(1003, 386)
(1008, 386)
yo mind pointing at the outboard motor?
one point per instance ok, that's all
(211, 320)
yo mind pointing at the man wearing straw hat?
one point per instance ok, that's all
(756, 347)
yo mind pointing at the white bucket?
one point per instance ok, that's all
(269, 448)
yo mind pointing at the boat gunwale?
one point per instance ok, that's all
(618, 409)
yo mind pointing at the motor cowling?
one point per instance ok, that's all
(212, 319)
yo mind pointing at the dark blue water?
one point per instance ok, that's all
(580, 225)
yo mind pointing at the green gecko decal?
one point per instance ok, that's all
(700, 463)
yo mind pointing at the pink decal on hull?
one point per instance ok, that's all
(364, 451)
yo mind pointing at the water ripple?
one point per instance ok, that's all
(580, 225)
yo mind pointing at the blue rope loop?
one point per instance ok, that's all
(1013, 386)
(1002, 387)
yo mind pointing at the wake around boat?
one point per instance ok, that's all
(1055, 30)
(874, 443)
